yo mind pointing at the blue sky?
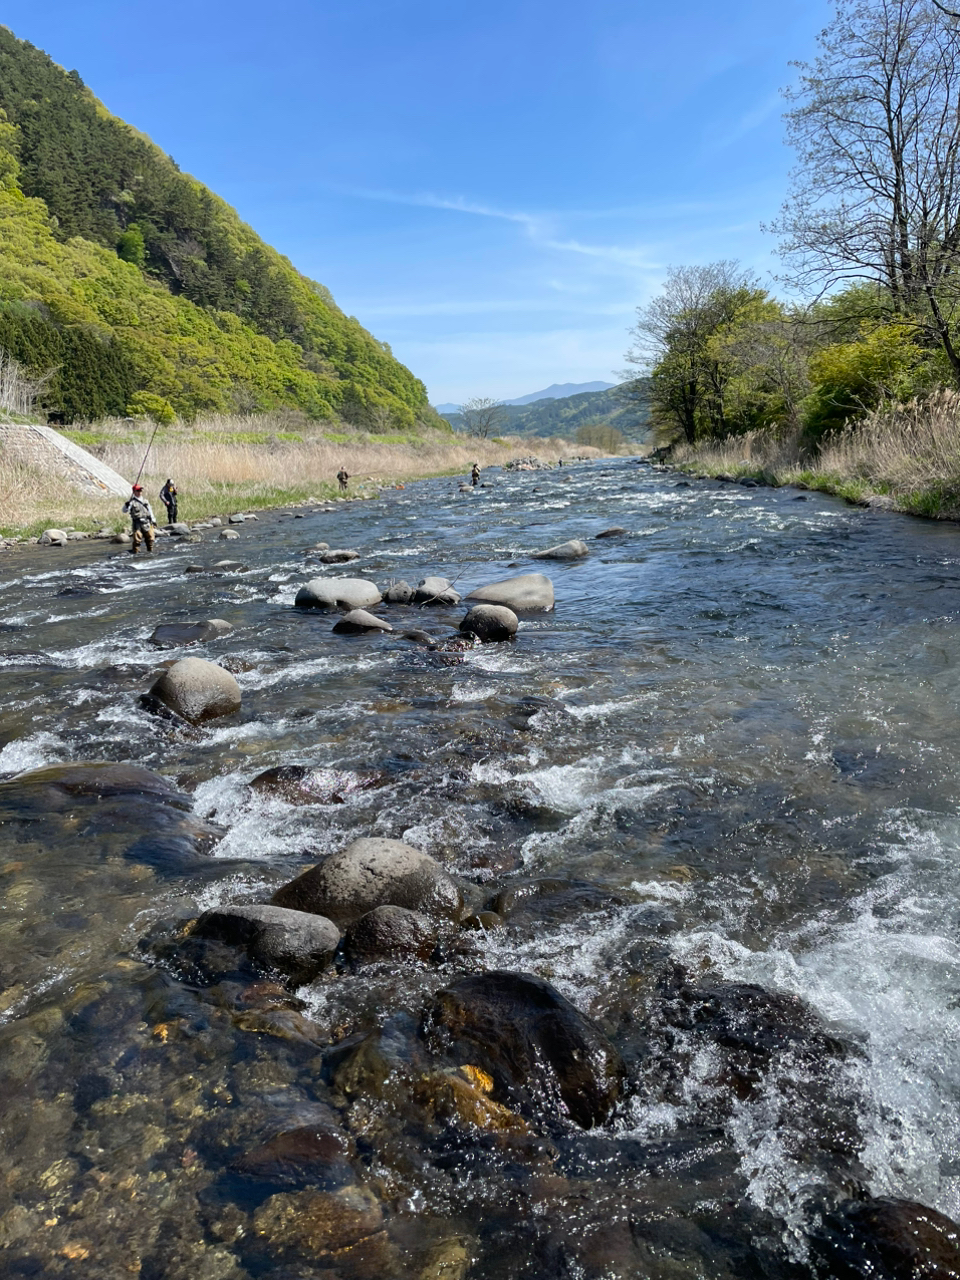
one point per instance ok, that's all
(492, 189)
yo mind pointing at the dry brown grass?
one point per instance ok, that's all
(907, 453)
(222, 464)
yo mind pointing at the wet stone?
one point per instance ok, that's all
(886, 1239)
(575, 549)
(297, 943)
(398, 593)
(359, 621)
(435, 591)
(173, 635)
(613, 532)
(490, 622)
(544, 1055)
(390, 933)
(526, 593)
(337, 593)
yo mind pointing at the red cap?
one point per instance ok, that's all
(138, 488)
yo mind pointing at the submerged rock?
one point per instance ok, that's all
(575, 549)
(301, 784)
(338, 593)
(358, 621)
(308, 1155)
(613, 532)
(391, 933)
(542, 1053)
(198, 690)
(373, 873)
(526, 593)
(342, 1227)
(173, 635)
(490, 622)
(338, 555)
(298, 943)
(886, 1239)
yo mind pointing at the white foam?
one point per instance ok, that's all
(34, 752)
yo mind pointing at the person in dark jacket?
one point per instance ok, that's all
(138, 508)
(342, 477)
(168, 496)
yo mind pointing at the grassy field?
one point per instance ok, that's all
(906, 454)
(223, 464)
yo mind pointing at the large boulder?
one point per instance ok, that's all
(572, 550)
(358, 621)
(53, 538)
(297, 943)
(338, 593)
(526, 593)
(543, 1054)
(173, 635)
(438, 591)
(372, 873)
(490, 622)
(198, 690)
(391, 933)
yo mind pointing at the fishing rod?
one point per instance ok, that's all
(147, 454)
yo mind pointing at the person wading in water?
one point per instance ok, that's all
(475, 474)
(138, 508)
(343, 478)
(168, 496)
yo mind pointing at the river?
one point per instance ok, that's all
(735, 739)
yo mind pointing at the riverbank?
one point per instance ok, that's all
(222, 464)
(905, 458)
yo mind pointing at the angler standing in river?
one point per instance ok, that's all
(168, 496)
(342, 478)
(138, 508)
(475, 474)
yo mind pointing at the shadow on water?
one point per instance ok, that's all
(712, 799)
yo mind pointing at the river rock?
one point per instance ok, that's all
(298, 943)
(121, 538)
(438, 591)
(53, 538)
(575, 549)
(886, 1239)
(398, 593)
(390, 933)
(172, 635)
(489, 622)
(228, 535)
(308, 1155)
(198, 690)
(337, 555)
(337, 593)
(422, 638)
(526, 593)
(237, 518)
(317, 546)
(358, 621)
(372, 873)
(613, 532)
(323, 1226)
(180, 529)
(542, 1053)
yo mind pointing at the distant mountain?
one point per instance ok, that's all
(561, 416)
(561, 391)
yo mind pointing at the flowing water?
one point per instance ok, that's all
(735, 739)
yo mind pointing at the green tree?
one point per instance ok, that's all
(154, 408)
(851, 378)
(131, 246)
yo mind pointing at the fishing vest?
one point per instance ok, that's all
(139, 510)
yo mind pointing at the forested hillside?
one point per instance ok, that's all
(123, 275)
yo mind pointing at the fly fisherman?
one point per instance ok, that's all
(138, 508)
(475, 474)
(342, 477)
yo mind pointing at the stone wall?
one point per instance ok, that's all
(42, 447)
